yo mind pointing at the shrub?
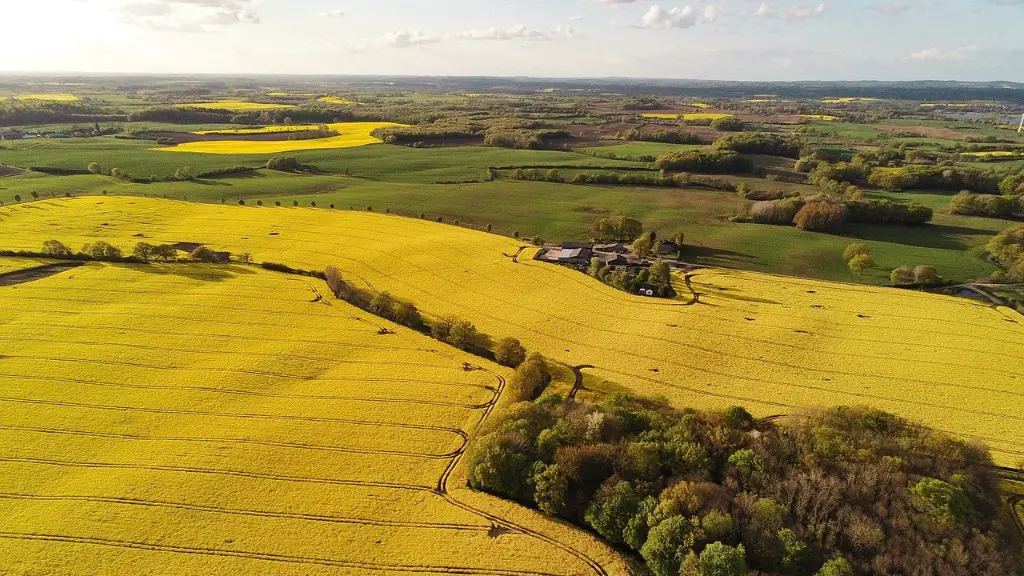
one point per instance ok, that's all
(775, 211)
(822, 217)
(17, 198)
(204, 254)
(885, 212)
(705, 161)
(382, 305)
(452, 330)
(728, 124)
(94, 168)
(55, 248)
(861, 262)
(855, 249)
(926, 275)
(717, 559)
(969, 204)
(509, 352)
(283, 164)
(902, 276)
(165, 252)
(143, 251)
(406, 314)
(530, 379)
(760, 143)
(101, 249)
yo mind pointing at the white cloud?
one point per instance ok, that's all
(331, 14)
(519, 32)
(766, 10)
(398, 39)
(801, 12)
(186, 15)
(938, 54)
(798, 12)
(684, 17)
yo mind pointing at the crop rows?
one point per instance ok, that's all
(237, 426)
(774, 344)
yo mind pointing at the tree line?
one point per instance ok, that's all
(840, 492)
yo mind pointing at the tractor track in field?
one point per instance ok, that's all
(244, 512)
(244, 441)
(249, 393)
(248, 416)
(267, 556)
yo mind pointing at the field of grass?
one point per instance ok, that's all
(350, 135)
(773, 344)
(635, 150)
(185, 419)
(394, 163)
(236, 106)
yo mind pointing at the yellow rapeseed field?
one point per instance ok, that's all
(350, 135)
(236, 106)
(335, 100)
(824, 117)
(847, 100)
(694, 116)
(50, 97)
(773, 344)
(994, 153)
(194, 420)
(8, 265)
(262, 129)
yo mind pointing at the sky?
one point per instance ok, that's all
(755, 40)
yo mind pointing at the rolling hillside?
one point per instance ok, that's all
(773, 344)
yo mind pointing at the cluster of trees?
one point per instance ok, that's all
(1007, 248)
(451, 330)
(524, 139)
(922, 275)
(35, 112)
(664, 136)
(283, 164)
(641, 103)
(760, 143)
(437, 131)
(913, 177)
(141, 252)
(969, 204)
(619, 229)
(728, 124)
(705, 161)
(831, 215)
(857, 257)
(842, 492)
(1013, 185)
(657, 278)
(887, 212)
(625, 178)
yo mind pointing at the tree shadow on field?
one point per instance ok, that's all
(940, 236)
(715, 256)
(192, 271)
